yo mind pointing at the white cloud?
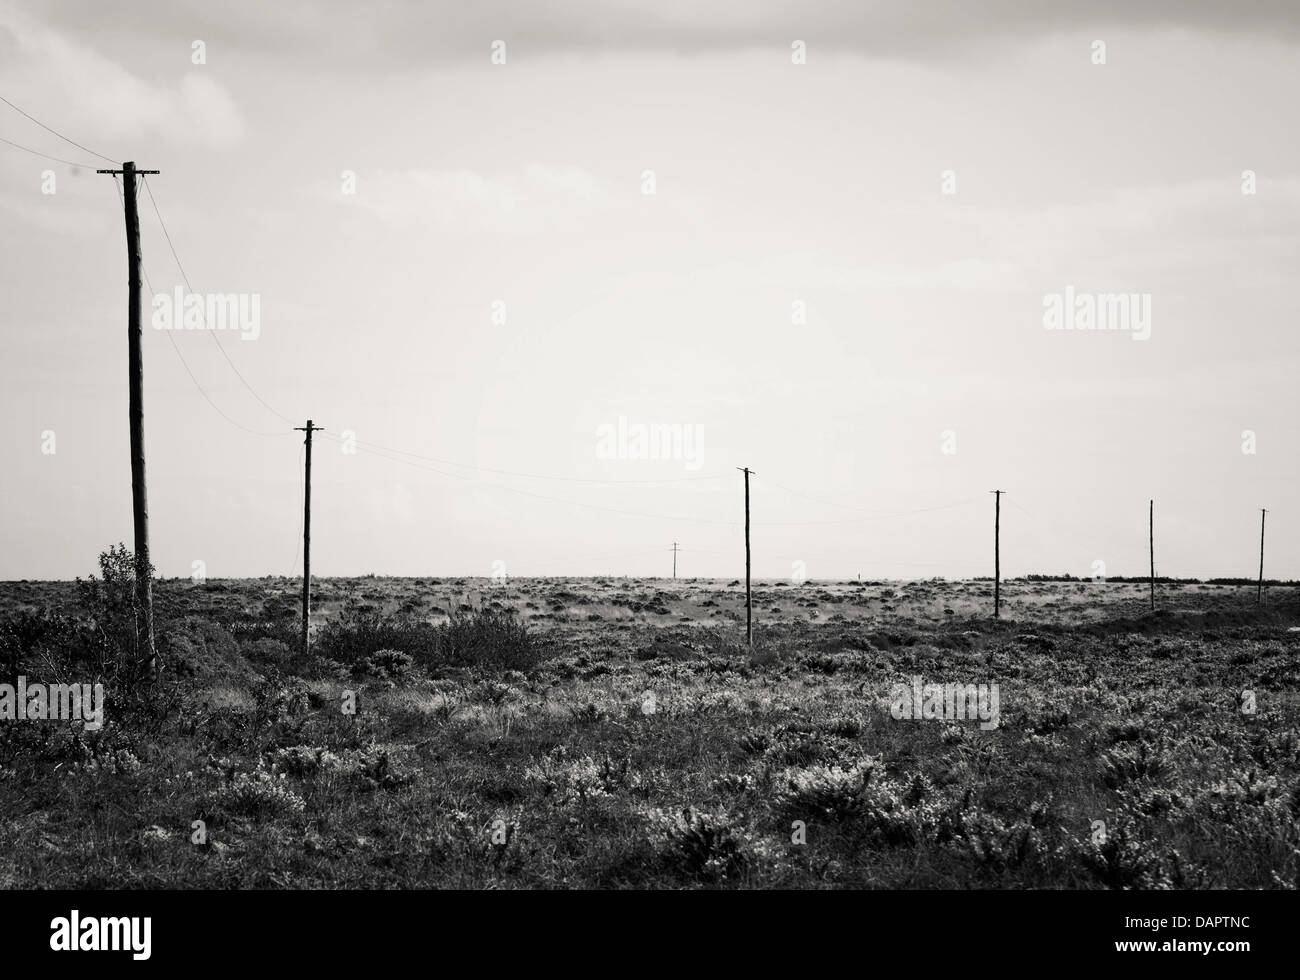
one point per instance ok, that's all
(99, 101)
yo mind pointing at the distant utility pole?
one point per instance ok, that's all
(306, 537)
(1151, 530)
(1259, 592)
(749, 605)
(997, 558)
(146, 656)
(674, 559)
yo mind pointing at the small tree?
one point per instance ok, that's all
(113, 603)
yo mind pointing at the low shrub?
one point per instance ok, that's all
(492, 639)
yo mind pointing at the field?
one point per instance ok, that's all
(619, 733)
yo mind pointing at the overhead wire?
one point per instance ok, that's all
(877, 515)
(539, 476)
(433, 459)
(70, 163)
(540, 496)
(56, 132)
(184, 363)
(220, 346)
(421, 460)
(644, 514)
(302, 494)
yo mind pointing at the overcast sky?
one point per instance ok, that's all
(778, 187)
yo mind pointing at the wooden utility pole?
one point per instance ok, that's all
(1259, 592)
(749, 604)
(997, 557)
(309, 428)
(1151, 530)
(674, 559)
(146, 657)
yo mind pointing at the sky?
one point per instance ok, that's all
(821, 238)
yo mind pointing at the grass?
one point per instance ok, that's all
(490, 749)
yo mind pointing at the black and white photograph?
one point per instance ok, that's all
(649, 448)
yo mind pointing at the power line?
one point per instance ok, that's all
(862, 520)
(535, 476)
(379, 449)
(551, 562)
(184, 363)
(446, 462)
(215, 406)
(432, 459)
(70, 163)
(878, 515)
(395, 455)
(166, 233)
(634, 513)
(799, 493)
(56, 132)
(1019, 508)
(220, 346)
(302, 490)
(539, 496)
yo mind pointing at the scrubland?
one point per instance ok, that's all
(619, 733)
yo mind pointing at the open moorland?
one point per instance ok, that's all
(618, 733)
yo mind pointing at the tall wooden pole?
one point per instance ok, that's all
(997, 556)
(1259, 591)
(674, 559)
(146, 657)
(1151, 530)
(306, 540)
(749, 603)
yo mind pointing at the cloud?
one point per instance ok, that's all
(96, 95)
(401, 33)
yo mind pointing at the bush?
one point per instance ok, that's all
(111, 602)
(269, 653)
(285, 629)
(701, 845)
(487, 638)
(829, 792)
(280, 700)
(389, 664)
(202, 649)
(365, 769)
(277, 643)
(254, 794)
(302, 761)
(38, 643)
(358, 633)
